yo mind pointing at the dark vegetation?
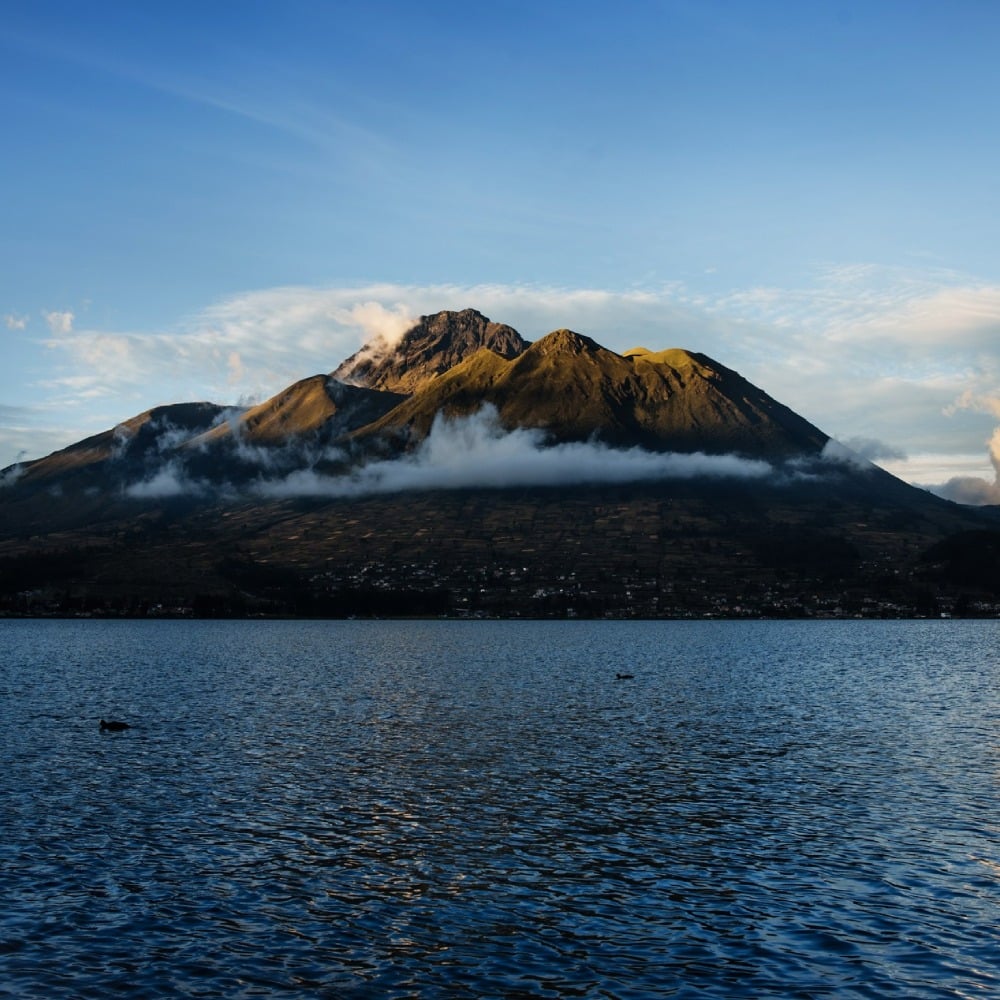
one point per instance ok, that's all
(651, 550)
(968, 560)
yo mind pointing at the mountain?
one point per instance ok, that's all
(428, 349)
(122, 452)
(288, 507)
(565, 385)
(576, 390)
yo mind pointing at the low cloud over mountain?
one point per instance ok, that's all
(974, 489)
(474, 451)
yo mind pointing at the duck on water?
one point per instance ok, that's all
(113, 726)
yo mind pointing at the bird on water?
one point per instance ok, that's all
(113, 726)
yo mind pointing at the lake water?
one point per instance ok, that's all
(481, 809)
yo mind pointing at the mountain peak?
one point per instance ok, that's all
(566, 341)
(432, 346)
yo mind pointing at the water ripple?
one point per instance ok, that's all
(448, 809)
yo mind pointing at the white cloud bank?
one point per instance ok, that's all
(475, 451)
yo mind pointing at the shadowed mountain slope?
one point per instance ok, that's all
(124, 450)
(666, 549)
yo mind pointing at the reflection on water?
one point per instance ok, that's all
(482, 809)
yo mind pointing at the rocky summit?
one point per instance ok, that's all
(461, 470)
(428, 349)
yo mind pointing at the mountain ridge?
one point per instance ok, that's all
(133, 438)
(575, 390)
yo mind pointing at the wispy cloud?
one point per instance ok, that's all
(981, 402)
(384, 328)
(873, 450)
(879, 352)
(10, 475)
(239, 83)
(24, 434)
(259, 342)
(13, 322)
(15, 414)
(169, 480)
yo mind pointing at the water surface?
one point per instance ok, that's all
(395, 809)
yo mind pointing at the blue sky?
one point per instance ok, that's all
(211, 200)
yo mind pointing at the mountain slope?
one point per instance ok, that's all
(698, 403)
(665, 549)
(565, 383)
(428, 349)
(319, 404)
(575, 390)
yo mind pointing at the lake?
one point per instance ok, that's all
(482, 809)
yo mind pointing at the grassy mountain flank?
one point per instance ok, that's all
(576, 390)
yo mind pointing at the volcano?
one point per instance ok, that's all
(308, 502)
